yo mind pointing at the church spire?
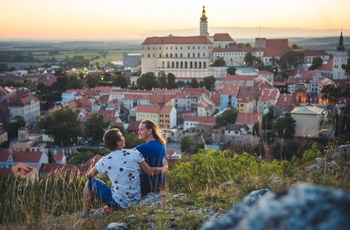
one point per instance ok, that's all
(203, 30)
(341, 46)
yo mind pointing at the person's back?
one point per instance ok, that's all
(122, 168)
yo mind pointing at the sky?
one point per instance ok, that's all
(138, 19)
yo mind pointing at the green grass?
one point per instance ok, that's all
(56, 203)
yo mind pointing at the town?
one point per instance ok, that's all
(204, 91)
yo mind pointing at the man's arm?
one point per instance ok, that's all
(151, 171)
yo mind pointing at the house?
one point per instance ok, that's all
(285, 104)
(228, 96)
(164, 116)
(191, 121)
(248, 119)
(60, 158)
(236, 130)
(309, 120)
(25, 171)
(33, 159)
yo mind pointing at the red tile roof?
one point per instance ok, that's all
(21, 156)
(230, 90)
(222, 37)
(23, 170)
(176, 40)
(278, 42)
(200, 119)
(247, 118)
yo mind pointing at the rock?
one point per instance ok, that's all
(304, 206)
(117, 226)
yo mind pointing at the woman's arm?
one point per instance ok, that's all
(151, 171)
(92, 172)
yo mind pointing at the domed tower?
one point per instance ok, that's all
(203, 30)
(340, 57)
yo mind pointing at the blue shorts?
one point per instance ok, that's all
(103, 192)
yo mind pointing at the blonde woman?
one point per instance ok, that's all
(154, 152)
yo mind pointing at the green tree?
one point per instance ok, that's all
(95, 128)
(294, 58)
(220, 61)
(132, 140)
(162, 79)
(209, 83)
(63, 125)
(74, 83)
(295, 46)
(12, 128)
(120, 127)
(231, 70)
(171, 81)
(148, 81)
(343, 125)
(311, 154)
(227, 117)
(186, 144)
(331, 92)
(249, 59)
(120, 81)
(316, 62)
(91, 81)
(284, 126)
(194, 83)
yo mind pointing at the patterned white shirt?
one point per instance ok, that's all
(123, 169)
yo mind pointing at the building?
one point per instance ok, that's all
(340, 57)
(164, 116)
(309, 121)
(186, 57)
(33, 159)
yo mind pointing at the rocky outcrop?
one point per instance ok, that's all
(304, 206)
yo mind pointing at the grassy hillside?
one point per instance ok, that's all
(211, 182)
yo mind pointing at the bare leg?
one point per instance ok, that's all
(88, 198)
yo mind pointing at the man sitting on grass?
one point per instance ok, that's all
(122, 167)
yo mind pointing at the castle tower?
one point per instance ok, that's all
(203, 29)
(340, 58)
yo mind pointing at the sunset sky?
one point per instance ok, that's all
(138, 19)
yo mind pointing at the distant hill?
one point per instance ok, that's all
(323, 43)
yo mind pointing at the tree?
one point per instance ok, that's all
(194, 83)
(132, 140)
(120, 81)
(231, 70)
(284, 126)
(227, 117)
(162, 79)
(91, 81)
(294, 58)
(95, 128)
(148, 81)
(316, 62)
(343, 125)
(311, 154)
(209, 82)
(63, 125)
(171, 81)
(186, 144)
(331, 93)
(74, 83)
(220, 61)
(249, 59)
(12, 128)
(295, 46)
